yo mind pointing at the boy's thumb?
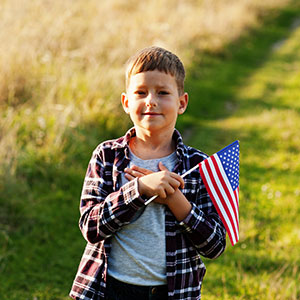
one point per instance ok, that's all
(162, 167)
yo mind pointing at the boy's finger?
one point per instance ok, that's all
(178, 178)
(133, 172)
(129, 177)
(141, 170)
(162, 167)
(169, 190)
(162, 194)
(175, 183)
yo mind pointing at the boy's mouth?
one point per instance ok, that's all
(150, 113)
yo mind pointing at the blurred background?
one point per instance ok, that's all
(61, 76)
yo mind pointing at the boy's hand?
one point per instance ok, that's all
(176, 202)
(135, 171)
(163, 183)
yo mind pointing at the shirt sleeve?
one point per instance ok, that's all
(204, 227)
(104, 211)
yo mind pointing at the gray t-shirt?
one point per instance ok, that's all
(138, 253)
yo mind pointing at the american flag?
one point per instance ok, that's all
(220, 174)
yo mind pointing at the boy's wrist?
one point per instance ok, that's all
(140, 185)
(179, 205)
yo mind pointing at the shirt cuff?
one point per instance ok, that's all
(192, 220)
(131, 194)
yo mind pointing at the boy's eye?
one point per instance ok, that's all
(163, 93)
(139, 92)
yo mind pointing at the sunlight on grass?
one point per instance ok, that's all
(65, 68)
(267, 124)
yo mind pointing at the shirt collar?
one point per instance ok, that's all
(180, 147)
(123, 143)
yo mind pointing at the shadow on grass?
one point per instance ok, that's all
(214, 79)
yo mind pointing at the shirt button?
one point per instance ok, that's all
(153, 290)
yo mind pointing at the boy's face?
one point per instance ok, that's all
(153, 102)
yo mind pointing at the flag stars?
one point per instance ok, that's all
(230, 161)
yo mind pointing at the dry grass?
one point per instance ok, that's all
(62, 62)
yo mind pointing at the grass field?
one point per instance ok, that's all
(257, 103)
(242, 86)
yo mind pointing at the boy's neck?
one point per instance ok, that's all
(151, 146)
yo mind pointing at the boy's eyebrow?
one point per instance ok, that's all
(161, 86)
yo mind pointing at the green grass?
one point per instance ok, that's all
(247, 92)
(251, 93)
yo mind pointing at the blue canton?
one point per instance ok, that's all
(229, 158)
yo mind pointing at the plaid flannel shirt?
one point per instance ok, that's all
(106, 207)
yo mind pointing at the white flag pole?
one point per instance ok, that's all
(182, 176)
(190, 170)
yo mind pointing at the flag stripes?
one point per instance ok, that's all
(224, 198)
(231, 195)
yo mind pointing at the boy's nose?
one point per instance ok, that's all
(150, 100)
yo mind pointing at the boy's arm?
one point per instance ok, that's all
(202, 225)
(176, 201)
(104, 211)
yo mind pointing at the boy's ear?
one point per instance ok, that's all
(183, 102)
(124, 101)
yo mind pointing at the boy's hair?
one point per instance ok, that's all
(156, 58)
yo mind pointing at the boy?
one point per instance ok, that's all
(137, 250)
